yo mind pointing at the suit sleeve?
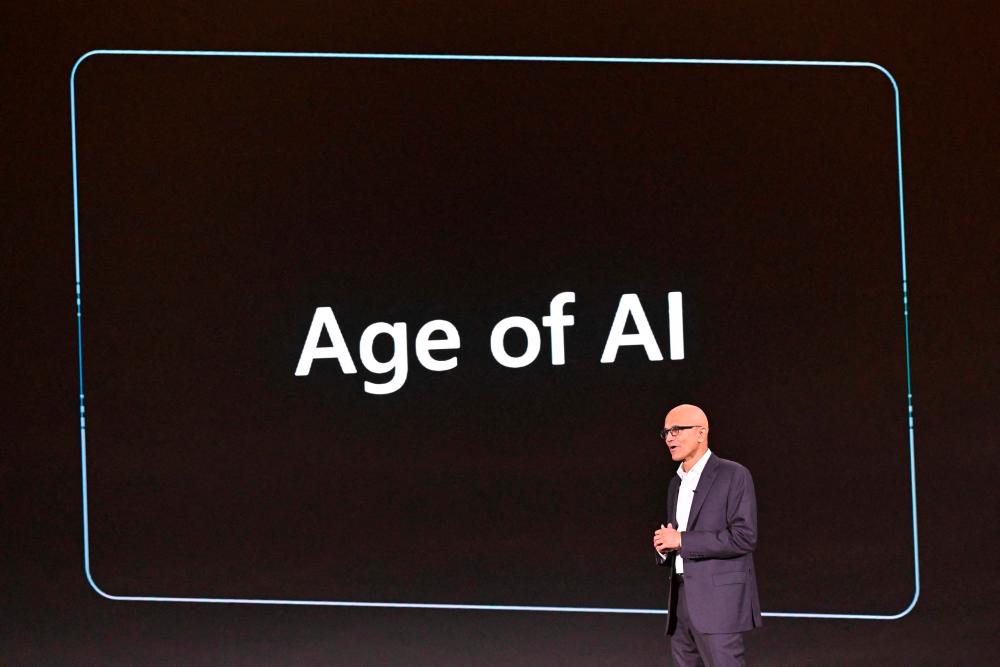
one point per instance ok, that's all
(740, 535)
(668, 559)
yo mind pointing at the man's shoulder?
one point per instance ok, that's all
(728, 466)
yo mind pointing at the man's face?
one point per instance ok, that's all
(687, 441)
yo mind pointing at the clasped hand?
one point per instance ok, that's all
(666, 539)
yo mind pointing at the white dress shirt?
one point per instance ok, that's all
(685, 496)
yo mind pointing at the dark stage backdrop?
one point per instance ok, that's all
(223, 199)
(723, 234)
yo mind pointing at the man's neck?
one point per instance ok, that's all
(687, 464)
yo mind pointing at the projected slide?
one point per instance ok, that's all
(397, 330)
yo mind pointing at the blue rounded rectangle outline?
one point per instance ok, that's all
(567, 59)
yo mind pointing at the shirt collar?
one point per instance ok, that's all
(697, 468)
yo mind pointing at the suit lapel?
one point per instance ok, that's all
(672, 491)
(701, 491)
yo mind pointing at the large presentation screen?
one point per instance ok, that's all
(404, 330)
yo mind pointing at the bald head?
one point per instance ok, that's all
(685, 431)
(686, 414)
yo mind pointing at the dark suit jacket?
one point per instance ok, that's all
(720, 584)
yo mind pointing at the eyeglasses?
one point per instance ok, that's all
(674, 430)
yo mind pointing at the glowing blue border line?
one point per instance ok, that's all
(422, 56)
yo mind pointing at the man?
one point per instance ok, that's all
(707, 547)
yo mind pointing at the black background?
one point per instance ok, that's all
(52, 616)
(223, 199)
